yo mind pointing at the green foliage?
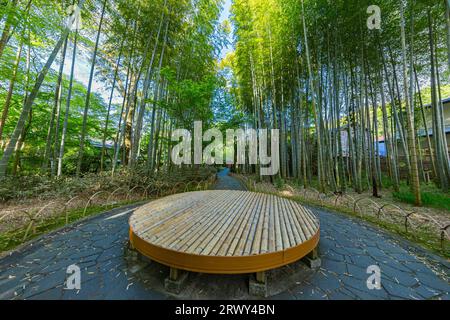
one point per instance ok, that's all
(180, 61)
(194, 97)
(31, 158)
(386, 181)
(279, 183)
(435, 199)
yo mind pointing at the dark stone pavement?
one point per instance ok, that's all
(98, 246)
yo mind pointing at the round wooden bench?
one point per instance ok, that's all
(224, 232)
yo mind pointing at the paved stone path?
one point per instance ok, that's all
(98, 246)
(225, 182)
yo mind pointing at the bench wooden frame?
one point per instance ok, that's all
(166, 237)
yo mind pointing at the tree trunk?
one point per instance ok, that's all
(425, 125)
(150, 147)
(10, 91)
(148, 77)
(58, 100)
(20, 143)
(409, 105)
(66, 115)
(30, 115)
(125, 104)
(320, 170)
(105, 130)
(88, 94)
(7, 29)
(54, 114)
(447, 18)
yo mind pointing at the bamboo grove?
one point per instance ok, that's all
(106, 95)
(333, 87)
(157, 63)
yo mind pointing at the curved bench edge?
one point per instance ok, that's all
(223, 264)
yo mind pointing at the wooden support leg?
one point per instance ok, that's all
(176, 280)
(130, 244)
(174, 274)
(312, 259)
(130, 252)
(261, 277)
(314, 254)
(258, 284)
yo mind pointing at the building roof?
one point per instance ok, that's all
(421, 133)
(98, 144)
(444, 101)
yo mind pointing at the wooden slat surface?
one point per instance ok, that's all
(224, 223)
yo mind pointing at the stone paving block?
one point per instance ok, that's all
(434, 282)
(51, 294)
(366, 294)
(353, 282)
(418, 267)
(404, 278)
(339, 295)
(356, 271)
(364, 261)
(389, 247)
(175, 286)
(256, 288)
(426, 292)
(397, 290)
(110, 253)
(331, 255)
(353, 251)
(404, 257)
(310, 292)
(335, 266)
(10, 293)
(287, 295)
(52, 280)
(312, 263)
(327, 281)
